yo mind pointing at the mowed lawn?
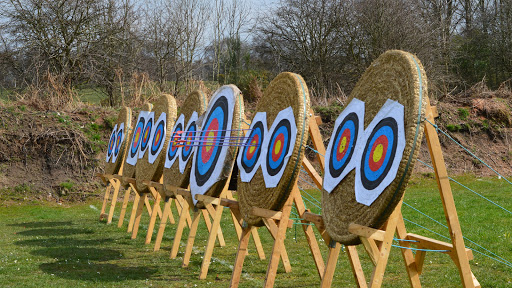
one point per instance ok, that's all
(54, 245)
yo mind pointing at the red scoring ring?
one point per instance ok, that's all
(208, 146)
(146, 134)
(279, 138)
(137, 137)
(345, 134)
(252, 145)
(157, 136)
(382, 140)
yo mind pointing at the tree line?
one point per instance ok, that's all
(329, 42)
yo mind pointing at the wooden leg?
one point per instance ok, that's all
(238, 228)
(134, 211)
(125, 205)
(152, 220)
(169, 216)
(332, 258)
(355, 264)
(163, 223)
(155, 195)
(179, 230)
(148, 206)
(257, 242)
(211, 241)
(382, 261)
(278, 244)
(117, 185)
(409, 260)
(191, 238)
(240, 257)
(184, 207)
(213, 212)
(272, 227)
(140, 206)
(105, 201)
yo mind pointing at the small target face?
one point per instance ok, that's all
(278, 147)
(146, 135)
(211, 141)
(379, 153)
(119, 138)
(252, 150)
(158, 137)
(111, 144)
(137, 137)
(345, 140)
(172, 151)
(189, 137)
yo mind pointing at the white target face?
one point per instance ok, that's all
(250, 154)
(174, 147)
(158, 138)
(278, 147)
(119, 141)
(189, 142)
(134, 148)
(147, 134)
(111, 144)
(383, 146)
(342, 154)
(211, 151)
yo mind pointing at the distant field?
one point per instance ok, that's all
(65, 246)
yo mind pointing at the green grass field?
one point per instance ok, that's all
(54, 245)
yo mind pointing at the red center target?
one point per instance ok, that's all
(378, 153)
(210, 141)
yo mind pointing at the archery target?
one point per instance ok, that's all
(211, 150)
(189, 141)
(134, 147)
(278, 147)
(384, 143)
(249, 158)
(119, 141)
(342, 152)
(111, 144)
(147, 134)
(174, 147)
(158, 138)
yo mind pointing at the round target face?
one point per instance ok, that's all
(249, 158)
(345, 140)
(342, 152)
(119, 142)
(384, 143)
(175, 142)
(379, 153)
(158, 138)
(278, 146)
(189, 142)
(111, 144)
(146, 135)
(210, 151)
(211, 140)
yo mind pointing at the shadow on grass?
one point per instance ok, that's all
(41, 224)
(55, 232)
(77, 254)
(96, 272)
(59, 242)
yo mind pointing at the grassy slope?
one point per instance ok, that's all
(51, 245)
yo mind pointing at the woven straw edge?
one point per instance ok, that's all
(153, 172)
(124, 116)
(196, 101)
(381, 210)
(274, 198)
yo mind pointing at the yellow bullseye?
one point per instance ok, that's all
(377, 154)
(211, 135)
(343, 144)
(253, 146)
(277, 147)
